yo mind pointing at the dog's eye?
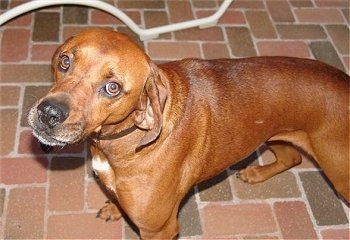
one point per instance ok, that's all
(64, 62)
(112, 89)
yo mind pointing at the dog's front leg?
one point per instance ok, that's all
(106, 175)
(169, 230)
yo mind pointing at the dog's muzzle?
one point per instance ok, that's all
(48, 121)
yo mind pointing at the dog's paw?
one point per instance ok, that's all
(109, 212)
(250, 174)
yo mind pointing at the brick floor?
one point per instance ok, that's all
(55, 195)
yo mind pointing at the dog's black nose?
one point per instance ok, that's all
(52, 113)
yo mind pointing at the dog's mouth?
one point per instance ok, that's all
(58, 137)
(61, 139)
(48, 140)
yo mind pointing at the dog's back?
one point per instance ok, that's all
(255, 100)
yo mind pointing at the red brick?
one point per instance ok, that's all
(21, 21)
(95, 196)
(43, 52)
(260, 24)
(16, 3)
(292, 49)
(294, 220)
(229, 17)
(346, 14)
(70, 31)
(319, 15)
(340, 37)
(9, 95)
(14, 45)
(327, 211)
(283, 185)
(173, 50)
(232, 17)
(332, 3)
(1, 224)
(100, 17)
(8, 123)
(216, 189)
(23, 170)
(206, 34)
(325, 51)
(155, 19)
(28, 144)
(301, 3)
(81, 226)
(180, 11)
(215, 50)
(25, 213)
(280, 11)
(204, 4)
(301, 31)
(231, 220)
(140, 4)
(336, 233)
(66, 192)
(251, 4)
(46, 27)
(240, 41)
(15, 73)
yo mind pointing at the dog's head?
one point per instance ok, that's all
(101, 77)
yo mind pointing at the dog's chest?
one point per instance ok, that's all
(100, 165)
(103, 170)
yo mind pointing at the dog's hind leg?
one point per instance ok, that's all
(333, 157)
(286, 157)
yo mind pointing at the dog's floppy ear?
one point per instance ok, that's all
(149, 111)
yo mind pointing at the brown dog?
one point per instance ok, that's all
(159, 130)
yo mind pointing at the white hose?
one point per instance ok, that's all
(144, 34)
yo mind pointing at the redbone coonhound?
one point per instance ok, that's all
(160, 129)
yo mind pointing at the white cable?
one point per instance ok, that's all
(144, 34)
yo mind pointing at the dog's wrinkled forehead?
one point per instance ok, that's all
(100, 44)
(95, 55)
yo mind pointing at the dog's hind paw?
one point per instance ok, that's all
(251, 174)
(239, 176)
(109, 212)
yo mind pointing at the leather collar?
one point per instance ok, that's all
(98, 136)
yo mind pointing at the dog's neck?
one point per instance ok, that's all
(101, 135)
(113, 131)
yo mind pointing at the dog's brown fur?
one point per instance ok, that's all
(174, 125)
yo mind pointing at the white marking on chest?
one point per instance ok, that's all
(104, 172)
(100, 165)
